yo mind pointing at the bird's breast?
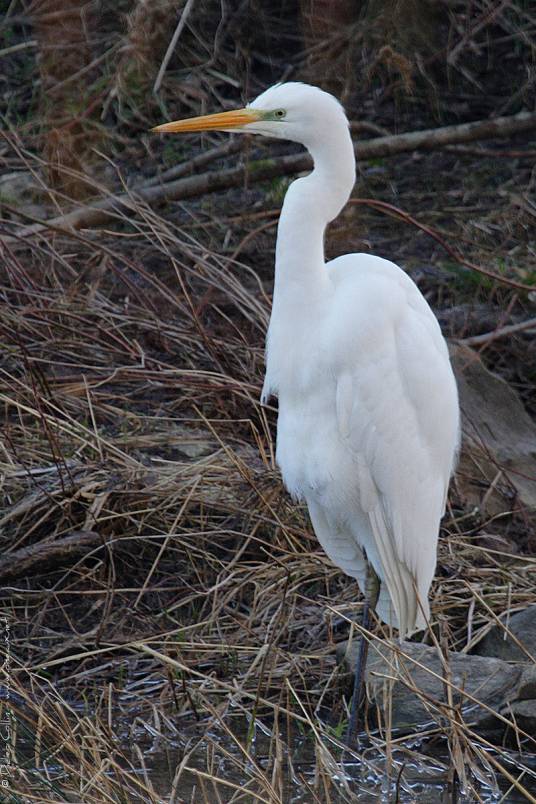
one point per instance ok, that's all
(301, 370)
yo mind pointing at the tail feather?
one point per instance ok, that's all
(397, 604)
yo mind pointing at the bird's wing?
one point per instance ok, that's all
(397, 415)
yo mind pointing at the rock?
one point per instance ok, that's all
(418, 695)
(498, 644)
(527, 685)
(524, 713)
(499, 438)
(524, 709)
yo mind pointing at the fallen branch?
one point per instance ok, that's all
(261, 170)
(501, 332)
(192, 165)
(487, 153)
(24, 562)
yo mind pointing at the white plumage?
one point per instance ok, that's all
(368, 410)
(368, 424)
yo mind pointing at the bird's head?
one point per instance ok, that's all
(291, 111)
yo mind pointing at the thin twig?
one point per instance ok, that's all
(502, 332)
(171, 47)
(390, 209)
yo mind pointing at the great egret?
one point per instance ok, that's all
(368, 424)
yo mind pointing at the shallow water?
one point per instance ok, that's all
(225, 759)
(413, 775)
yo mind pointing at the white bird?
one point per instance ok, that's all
(368, 425)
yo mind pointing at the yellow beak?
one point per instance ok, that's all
(221, 120)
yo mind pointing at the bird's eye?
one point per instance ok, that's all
(280, 113)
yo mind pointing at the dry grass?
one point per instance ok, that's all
(188, 653)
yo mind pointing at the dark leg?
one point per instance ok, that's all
(372, 590)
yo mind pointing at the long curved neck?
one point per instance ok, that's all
(309, 205)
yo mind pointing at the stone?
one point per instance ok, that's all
(407, 678)
(524, 714)
(527, 685)
(499, 645)
(498, 457)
